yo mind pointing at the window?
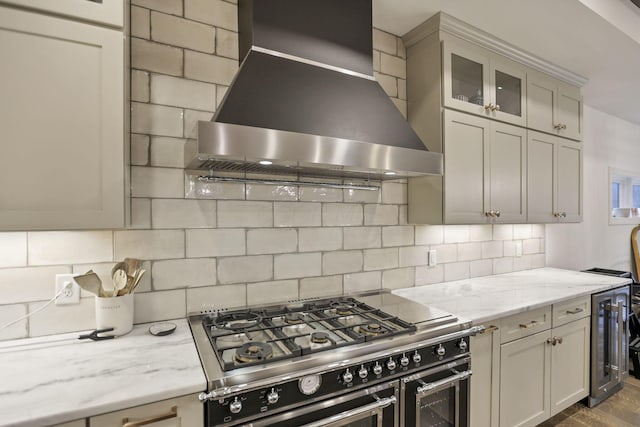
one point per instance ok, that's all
(615, 195)
(636, 196)
(624, 197)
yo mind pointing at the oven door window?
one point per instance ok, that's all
(438, 407)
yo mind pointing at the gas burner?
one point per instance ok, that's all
(294, 318)
(372, 329)
(319, 337)
(253, 352)
(237, 321)
(343, 308)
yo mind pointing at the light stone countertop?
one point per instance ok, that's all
(483, 299)
(58, 378)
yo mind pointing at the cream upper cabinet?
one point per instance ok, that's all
(554, 179)
(478, 81)
(553, 106)
(186, 411)
(107, 12)
(62, 120)
(484, 175)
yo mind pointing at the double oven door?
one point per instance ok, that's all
(437, 397)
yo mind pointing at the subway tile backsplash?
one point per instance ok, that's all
(211, 245)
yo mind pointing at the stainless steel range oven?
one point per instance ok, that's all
(374, 359)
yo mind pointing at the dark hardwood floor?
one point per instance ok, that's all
(620, 410)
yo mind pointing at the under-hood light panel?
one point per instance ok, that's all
(369, 187)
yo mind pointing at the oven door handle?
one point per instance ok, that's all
(437, 384)
(378, 404)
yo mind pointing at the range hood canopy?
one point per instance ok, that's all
(304, 101)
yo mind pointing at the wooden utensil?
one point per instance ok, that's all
(90, 282)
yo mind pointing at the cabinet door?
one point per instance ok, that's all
(77, 423)
(569, 364)
(541, 102)
(507, 85)
(485, 381)
(61, 115)
(569, 112)
(110, 12)
(507, 186)
(541, 159)
(184, 411)
(525, 387)
(466, 168)
(569, 180)
(465, 77)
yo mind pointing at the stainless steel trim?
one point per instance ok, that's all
(285, 182)
(311, 62)
(446, 381)
(619, 312)
(222, 392)
(378, 405)
(306, 153)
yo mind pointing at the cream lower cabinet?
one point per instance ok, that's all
(186, 411)
(546, 372)
(62, 121)
(485, 381)
(77, 423)
(554, 179)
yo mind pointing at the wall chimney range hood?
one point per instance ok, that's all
(304, 101)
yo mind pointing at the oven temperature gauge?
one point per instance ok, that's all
(309, 384)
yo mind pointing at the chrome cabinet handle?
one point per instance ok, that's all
(430, 386)
(495, 107)
(559, 126)
(498, 214)
(379, 404)
(560, 214)
(492, 214)
(529, 325)
(551, 340)
(173, 413)
(575, 310)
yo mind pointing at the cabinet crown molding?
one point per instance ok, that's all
(454, 26)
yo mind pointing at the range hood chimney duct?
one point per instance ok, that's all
(305, 100)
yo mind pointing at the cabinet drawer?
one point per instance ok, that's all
(569, 311)
(178, 412)
(525, 324)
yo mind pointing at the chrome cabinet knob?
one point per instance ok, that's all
(377, 369)
(235, 406)
(273, 396)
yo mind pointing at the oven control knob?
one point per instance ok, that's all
(347, 377)
(235, 406)
(362, 372)
(462, 345)
(416, 357)
(377, 369)
(391, 364)
(272, 397)
(404, 360)
(440, 350)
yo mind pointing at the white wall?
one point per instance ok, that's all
(608, 142)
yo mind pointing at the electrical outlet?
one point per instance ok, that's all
(71, 294)
(518, 249)
(432, 258)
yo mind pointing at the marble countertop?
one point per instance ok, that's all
(483, 299)
(55, 379)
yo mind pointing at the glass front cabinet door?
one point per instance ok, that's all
(480, 82)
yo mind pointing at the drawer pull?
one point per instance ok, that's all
(489, 329)
(575, 310)
(171, 414)
(529, 325)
